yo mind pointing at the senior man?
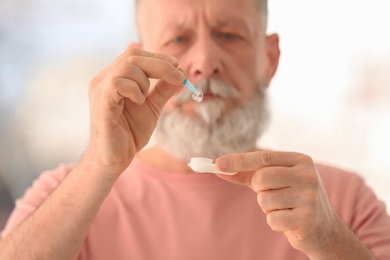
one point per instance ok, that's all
(121, 201)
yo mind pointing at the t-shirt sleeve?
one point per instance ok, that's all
(360, 209)
(370, 221)
(35, 195)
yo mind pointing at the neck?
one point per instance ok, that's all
(158, 158)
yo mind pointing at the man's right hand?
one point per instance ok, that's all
(124, 109)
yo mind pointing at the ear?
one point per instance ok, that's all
(273, 55)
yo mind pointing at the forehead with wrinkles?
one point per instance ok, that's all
(261, 4)
(169, 8)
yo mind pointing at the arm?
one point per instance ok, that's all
(123, 112)
(291, 193)
(50, 232)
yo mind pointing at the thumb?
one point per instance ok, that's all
(161, 93)
(227, 164)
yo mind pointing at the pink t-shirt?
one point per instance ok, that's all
(152, 214)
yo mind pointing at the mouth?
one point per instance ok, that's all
(210, 96)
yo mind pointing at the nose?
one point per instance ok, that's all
(206, 59)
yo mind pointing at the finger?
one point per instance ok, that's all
(158, 69)
(273, 178)
(242, 178)
(132, 72)
(255, 160)
(264, 179)
(283, 220)
(273, 200)
(131, 51)
(248, 164)
(126, 88)
(160, 94)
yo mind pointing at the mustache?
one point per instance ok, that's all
(213, 86)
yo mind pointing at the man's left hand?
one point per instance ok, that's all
(290, 192)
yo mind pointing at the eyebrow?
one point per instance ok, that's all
(225, 22)
(219, 23)
(234, 23)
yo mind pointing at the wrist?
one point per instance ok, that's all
(340, 243)
(99, 164)
(97, 172)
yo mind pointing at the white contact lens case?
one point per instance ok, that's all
(203, 165)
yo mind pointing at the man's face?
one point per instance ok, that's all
(213, 40)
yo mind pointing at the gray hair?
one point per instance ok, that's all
(261, 4)
(211, 133)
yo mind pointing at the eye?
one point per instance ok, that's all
(179, 39)
(228, 35)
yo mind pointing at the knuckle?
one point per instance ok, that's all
(261, 201)
(132, 51)
(281, 221)
(113, 82)
(275, 222)
(265, 159)
(126, 69)
(93, 83)
(129, 69)
(304, 158)
(257, 179)
(247, 162)
(133, 59)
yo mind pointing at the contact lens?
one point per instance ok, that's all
(197, 94)
(198, 97)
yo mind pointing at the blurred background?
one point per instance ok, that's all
(330, 97)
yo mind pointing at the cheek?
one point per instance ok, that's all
(262, 63)
(250, 65)
(244, 73)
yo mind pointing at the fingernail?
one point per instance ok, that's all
(179, 75)
(224, 164)
(141, 98)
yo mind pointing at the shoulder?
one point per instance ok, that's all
(46, 182)
(359, 207)
(349, 194)
(51, 178)
(343, 186)
(334, 177)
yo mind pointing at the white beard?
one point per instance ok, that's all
(211, 134)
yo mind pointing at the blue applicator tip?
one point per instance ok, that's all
(191, 87)
(197, 94)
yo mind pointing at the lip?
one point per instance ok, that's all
(210, 96)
